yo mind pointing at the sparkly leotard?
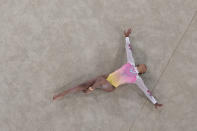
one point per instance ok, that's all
(128, 73)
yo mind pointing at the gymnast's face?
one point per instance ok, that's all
(141, 68)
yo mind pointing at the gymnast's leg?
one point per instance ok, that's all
(96, 82)
(102, 84)
(81, 87)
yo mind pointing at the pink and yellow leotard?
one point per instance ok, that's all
(128, 73)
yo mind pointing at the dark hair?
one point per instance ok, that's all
(139, 65)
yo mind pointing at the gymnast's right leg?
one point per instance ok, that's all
(82, 87)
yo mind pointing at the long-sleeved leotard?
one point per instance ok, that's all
(139, 82)
(128, 73)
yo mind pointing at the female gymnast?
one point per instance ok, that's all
(126, 74)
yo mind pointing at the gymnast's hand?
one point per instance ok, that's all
(126, 34)
(158, 105)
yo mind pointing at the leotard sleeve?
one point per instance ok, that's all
(128, 48)
(142, 86)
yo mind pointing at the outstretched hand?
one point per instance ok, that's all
(127, 33)
(158, 105)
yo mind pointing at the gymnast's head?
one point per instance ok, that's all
(141, 68)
